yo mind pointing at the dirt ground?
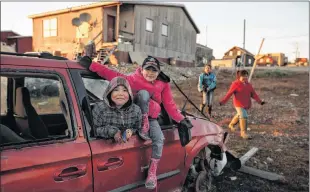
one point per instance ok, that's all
(280, 129)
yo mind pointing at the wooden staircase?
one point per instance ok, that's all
(103, 54)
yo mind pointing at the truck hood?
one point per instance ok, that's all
(204, 128)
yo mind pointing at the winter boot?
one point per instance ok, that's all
(210, 110)
(143, 133)
(151, 180)
(201, 107)
(233, 122)
(243, 127)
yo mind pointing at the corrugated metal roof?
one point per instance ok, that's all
(7, 31)
(92, 5)
(77, 8)
(167, 5)
(16, 37)
(244, 50)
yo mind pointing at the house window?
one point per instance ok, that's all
(230, 53)
(239, 52)
(149, 25)
(268, 60)
(261, 60)
(250, 61)
(50, 27)
(164, 29)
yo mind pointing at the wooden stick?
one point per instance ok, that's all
(262, 174)
(248, 155)
(254, 65)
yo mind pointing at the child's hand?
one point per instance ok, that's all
(117, 137)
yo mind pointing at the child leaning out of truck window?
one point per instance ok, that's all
(151, 88)
(117, 116)
(243, 92)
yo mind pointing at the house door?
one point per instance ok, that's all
(111, 28)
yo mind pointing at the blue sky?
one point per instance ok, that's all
(283, 24)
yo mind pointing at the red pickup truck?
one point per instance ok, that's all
(47, 141)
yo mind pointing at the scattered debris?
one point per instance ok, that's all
(269, 160)
(294, 95)
(279, 150)
(262, 174)
(233, 178)
(248, 155)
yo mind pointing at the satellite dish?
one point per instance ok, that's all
(76, 22)
(85, 17)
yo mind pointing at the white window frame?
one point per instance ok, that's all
(249, 61)
(50, 27)
(149, 24)
(164, 32)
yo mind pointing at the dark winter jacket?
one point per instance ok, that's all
(108, 119)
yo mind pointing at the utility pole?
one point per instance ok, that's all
(206, 36)
(244, 34)
(296, 52)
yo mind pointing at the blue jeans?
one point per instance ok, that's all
(142, 100)
(207, 98)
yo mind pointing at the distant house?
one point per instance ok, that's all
(230, 63)
(264, 60)
(277, 58)
(20, 43)
(237, 52)
(204, 55)
(162, 30)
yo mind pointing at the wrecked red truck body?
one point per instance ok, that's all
(65, 156)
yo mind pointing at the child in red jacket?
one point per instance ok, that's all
(151, 88)
(243, 92)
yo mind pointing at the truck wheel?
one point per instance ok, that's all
(203, 182)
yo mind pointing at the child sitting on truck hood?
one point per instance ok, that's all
(117, 116)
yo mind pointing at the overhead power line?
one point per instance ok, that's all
(285, 37)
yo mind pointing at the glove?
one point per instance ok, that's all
(85, 62)
(205, 88)
(186, 123)
(184, 131)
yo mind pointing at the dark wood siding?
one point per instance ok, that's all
(181, 40)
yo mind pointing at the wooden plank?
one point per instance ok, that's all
(248, 155)
(252, 71)
(262, 174)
